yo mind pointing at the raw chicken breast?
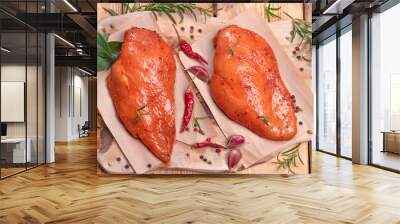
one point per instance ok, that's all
(141, 85)
(247, 86)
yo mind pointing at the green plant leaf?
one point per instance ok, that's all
(107, 52)
(169, 9)
(287, 159)
(102, 64)
(111, 12)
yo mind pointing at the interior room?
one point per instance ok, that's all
(22, 98)
(55, 131)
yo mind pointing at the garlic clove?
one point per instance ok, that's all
(234, 157)
(234, 141)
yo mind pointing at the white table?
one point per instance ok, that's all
(18, 149)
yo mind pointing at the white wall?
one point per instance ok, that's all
(34, 125)
(71, 94)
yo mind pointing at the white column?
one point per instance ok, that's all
(50, 99)
(360, 90)
(50, 92)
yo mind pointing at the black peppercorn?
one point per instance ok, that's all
(126, 166)
(118, 159)
(149, 165)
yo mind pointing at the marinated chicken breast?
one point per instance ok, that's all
(141, 85)
(247, 86)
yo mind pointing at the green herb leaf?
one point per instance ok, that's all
(111, 12)
(139, 114)
(107, 52)
(196, 124)
(102, 64)
(301, 28)
(288, 159)
(265, 119)
(169, 9)
(270, 12)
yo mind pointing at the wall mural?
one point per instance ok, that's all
(207, 88)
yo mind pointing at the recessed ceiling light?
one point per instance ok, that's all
(5, 50)
(84, 71)
(337, 7)
(70, 5)
(64, 40)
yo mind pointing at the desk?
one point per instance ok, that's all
(391, 141)
(15, 148)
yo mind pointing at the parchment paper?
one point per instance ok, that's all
(256, 149)
(139, 157)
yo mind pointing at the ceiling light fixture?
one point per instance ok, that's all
(337, 7)
(70, 5)
(5, 50)
(64, 40)
(84, 71)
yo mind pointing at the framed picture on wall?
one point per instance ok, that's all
(206, 89)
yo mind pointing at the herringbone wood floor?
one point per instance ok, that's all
(70, 191)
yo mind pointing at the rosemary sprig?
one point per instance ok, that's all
(301, 28)
(139, 113)
(168, 9)
(111, 11)
(270, 12)
(196, 124)
(265, 119)
(289, 159)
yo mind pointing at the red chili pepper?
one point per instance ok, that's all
(207, 144)
(200, 72)
(189, 104)
(187, 49)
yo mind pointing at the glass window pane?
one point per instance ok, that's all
(346, 94)
(385, 116)
(13, 87)
(327, 96)
(31, 98)
(41, 99)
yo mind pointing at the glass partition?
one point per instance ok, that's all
(13, 95)
(327, 96)
(22, 88)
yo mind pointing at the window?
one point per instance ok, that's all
(346, 92)
(385, 89)
(327, 96)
